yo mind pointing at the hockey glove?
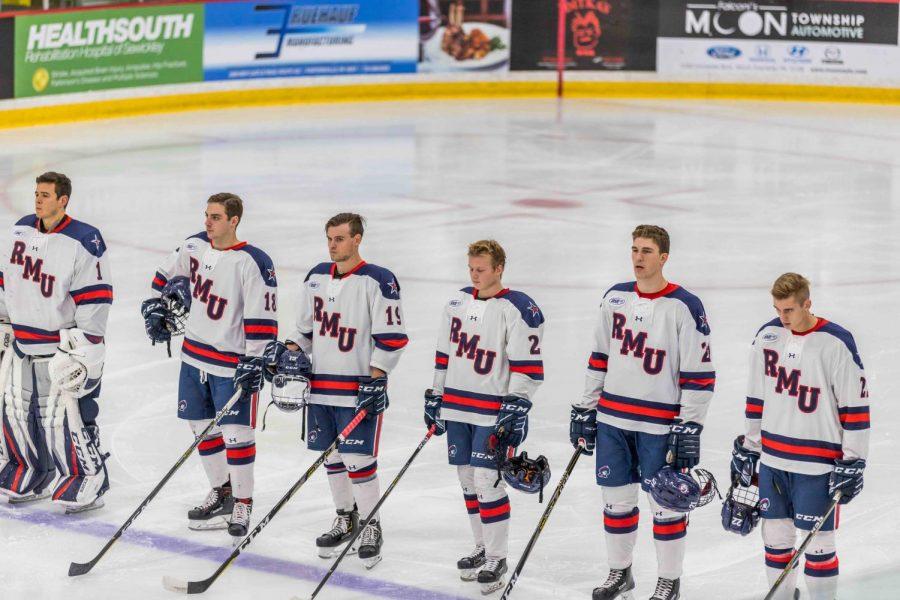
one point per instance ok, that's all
(248, 376)
(270, 356)
(743, 462)
(684, 445)
(372, 396)
(583, 429)
(738, 517)
(511, 428)
(155, 315)
(847, 477)
(433, 411)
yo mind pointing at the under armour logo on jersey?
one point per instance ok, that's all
(638, 318)
(473, 317)
(535, 311)
(393, 285)
(207, 267)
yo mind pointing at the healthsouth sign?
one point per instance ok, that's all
(863, 22)
(98, 32)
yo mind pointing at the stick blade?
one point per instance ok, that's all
(179, 586)
(76, 569)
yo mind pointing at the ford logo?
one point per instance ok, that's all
(723, 52)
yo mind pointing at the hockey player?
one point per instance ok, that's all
(488, 367)
(807, 433)
(229, 287)
(349, 320)
(55, 299)
(649, 382)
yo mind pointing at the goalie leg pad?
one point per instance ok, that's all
(28, 466)
(77, 448)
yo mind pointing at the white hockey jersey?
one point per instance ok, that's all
(55, 280)
(487, 348)
(347, 324)
(233, 307)
(651, 359)
(807, 400)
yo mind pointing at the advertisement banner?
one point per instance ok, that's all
(7, 33)
(463, 35)
(855, 39)
(600, 35)
(310, 37)
(103, 49)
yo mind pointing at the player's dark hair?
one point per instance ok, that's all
(234, 206)
(61, 183)
(657, 234)
(356, 222)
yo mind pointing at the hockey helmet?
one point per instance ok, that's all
(176, 297)
(526, 474)
(741, 508)
(290, 393)
(683, 492)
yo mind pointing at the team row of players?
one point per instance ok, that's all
(649, 382)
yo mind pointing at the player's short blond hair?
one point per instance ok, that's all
(791, 285)
(657, 234)
(491, 248)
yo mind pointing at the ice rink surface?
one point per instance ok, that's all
(747, 191)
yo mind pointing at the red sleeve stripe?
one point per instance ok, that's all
(272, 329)
(855, 418)
(441, 360)
(394, 343)
(686, 380)
(93, 295)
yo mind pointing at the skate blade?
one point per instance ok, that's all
(27, 498)
(490, 588)
(468, 574)
(208, 525)
(369, 563)
(74, 510)
(333, 551)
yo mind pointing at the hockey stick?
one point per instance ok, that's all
(809, 537)
(540, 526)
(371, 514)
(82, 568)
(198, 587)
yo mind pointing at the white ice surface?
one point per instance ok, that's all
(746, 190)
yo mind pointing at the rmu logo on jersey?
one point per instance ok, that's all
(33, 269)
(331, 326)
(637, 345)
(215, 305)
(468, 346)
(807, 397)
